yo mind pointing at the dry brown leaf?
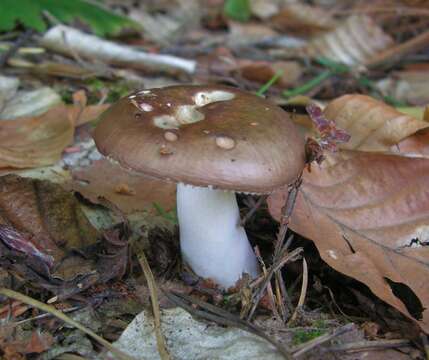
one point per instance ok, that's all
(354, 42)
(129, 191)
(303, 19)
(414, 146)
(373, 125)
(80, 113)
(46, 239)
(264, 9)
(411, 87)
(263, 71)
(39, 141)
(368, 212)
(247, 33)
(35, 141)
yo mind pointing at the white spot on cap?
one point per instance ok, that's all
(166, 122)
(170, 136)
(254, 123)
(187, 114)
(225, 142)
(206, 97)
(332, 254)
(146, 107)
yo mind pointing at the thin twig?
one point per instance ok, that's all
(280, 291)
(254, 208)
(22, 39)
(269, 287)
(50, 309)
(160, 341)
(393, 54)
(257, 296)
(303, 289)
(309, 345)
(286, 214)
(45, 315)
(92, 47)
(222, 317)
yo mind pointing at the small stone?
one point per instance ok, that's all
(225, 142)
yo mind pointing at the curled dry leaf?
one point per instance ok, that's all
(354, 42)
(368, 212)
(129, 191)
(248, 33)
(35, 141)
(411, 87)
(303, 19)
(373, 125)
(263, 71)
(39, 141)
(47, 240)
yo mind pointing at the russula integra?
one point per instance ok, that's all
(212, 141)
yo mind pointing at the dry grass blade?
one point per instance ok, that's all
(270, 292)
(222, 317)
(303, 289)
(367, 345)
(160, 341)
(50, 309)
(287, 256)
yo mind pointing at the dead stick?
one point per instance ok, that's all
(286, 214)
(22, 39)
(276, 266)
(222, 317)
(395, 53)
(254, 208)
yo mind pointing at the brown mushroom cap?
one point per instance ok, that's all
(208, 135)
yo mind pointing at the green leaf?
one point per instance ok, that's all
(237, 9)
(29, 13)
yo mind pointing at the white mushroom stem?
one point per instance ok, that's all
(212, 242)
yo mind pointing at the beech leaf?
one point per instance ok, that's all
(373, 125)
(47, 240)
(368, 211)
(35, 141)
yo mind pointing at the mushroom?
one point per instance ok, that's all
(213, 141)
